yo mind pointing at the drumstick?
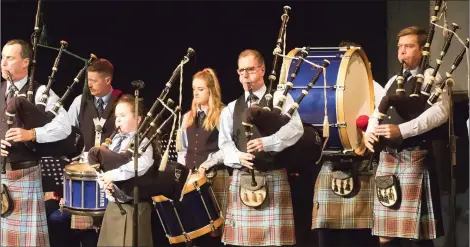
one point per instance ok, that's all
(184, 187)
(96, 168)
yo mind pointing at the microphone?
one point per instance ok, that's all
(362, 122)
(139, 84)
(189, 53)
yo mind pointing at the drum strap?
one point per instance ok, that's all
(98, 130)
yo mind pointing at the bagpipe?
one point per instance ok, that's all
(420, 99)
(30, 115)
(165, 177)
(263, 119)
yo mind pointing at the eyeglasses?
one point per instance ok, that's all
(250, 70)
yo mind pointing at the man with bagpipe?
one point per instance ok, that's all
(406, 203)
(27, 134)
(249, 220)
(93, 113)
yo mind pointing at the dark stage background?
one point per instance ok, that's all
(147, 39)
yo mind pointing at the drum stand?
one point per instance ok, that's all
(450, 238)
(137, 86)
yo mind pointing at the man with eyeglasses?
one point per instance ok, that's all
(272, 223)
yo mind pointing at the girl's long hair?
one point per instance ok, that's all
(215, 101)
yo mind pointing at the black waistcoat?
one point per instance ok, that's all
(19, 151)
(263, 161)
(88, 112)
(200, 144)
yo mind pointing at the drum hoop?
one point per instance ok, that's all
(342, 71)
(72, 173)
(84, 212)
(196, 233)
(285, 67)
(190, 186)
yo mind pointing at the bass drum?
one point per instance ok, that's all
(349, 94)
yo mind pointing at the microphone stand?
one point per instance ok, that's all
(450, 239)
(137, 86)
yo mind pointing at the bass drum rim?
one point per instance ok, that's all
(360, 147)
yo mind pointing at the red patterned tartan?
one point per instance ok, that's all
(270, 225)
(27, 224)
(415, 218)
(81, 222)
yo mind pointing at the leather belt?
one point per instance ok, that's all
(21, 165)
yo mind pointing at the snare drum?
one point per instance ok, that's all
(349, 94)
(196, 215)
(82, 193)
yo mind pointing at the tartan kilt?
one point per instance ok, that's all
(82, 222)
(27, 223)
(270, 225)
(336, 212)
(416, 217)
(220, 184)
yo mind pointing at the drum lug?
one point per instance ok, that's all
(212, 226)
(340, 125)
(340, 87)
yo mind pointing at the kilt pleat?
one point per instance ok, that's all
(220, 185)
(415, 217)
(117, 229)
(27, 223)
(337, 212)
(270, 225)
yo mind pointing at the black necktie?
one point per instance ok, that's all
(100, 107)
(119, 140)
(406, 74)
(200, 118)
(252, 99)
(11, 93)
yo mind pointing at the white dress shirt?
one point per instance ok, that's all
(126, 171)
(74, 109)
(379, 93)
(213, 158)
(285, 137)
(433, 117)
(59, 128)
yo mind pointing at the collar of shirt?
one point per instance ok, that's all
(201, 110)
(412, 71)
(19, 84)
(105, 98)
(258, 93)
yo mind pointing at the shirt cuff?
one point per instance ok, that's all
(268, 143)
(114, 174)
(403, 130)
(41, 135)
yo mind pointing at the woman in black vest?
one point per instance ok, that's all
(200, 142)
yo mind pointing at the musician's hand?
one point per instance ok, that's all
(4, 144)
(203, 167)
(106, 178)
(255, 145)
(19, 135)
(109, 195)
(245, 159)
(110, 187)
(370, 140)
(390, 131)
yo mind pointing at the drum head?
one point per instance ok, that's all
(356, 99)
(80, 169)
